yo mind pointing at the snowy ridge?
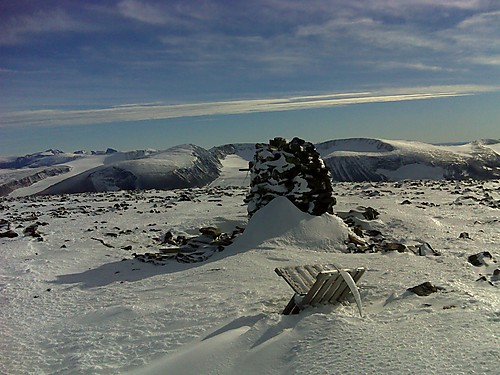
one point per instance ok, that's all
(360, 159)
(178, 167)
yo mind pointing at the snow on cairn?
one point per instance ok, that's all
(292, 169)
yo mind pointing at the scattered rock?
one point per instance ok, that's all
(32, 230)
(464, 235)
(213, 232)
(425, 289)
(426, 249)
(478, 259)
(8, 234)
(394, 246)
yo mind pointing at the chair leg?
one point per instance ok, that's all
(291, 307)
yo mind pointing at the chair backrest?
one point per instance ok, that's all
(322, 284)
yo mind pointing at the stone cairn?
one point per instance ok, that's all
(292, 169)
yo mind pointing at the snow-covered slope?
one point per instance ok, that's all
(78, 302)
(362, 159)
(178, 167)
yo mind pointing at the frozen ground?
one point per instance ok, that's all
(77, 302)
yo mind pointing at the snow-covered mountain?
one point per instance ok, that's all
(362, 159)
(356, 159)
(178, 167)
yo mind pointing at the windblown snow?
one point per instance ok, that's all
(78, 302)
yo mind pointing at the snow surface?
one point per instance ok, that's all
(72, 305)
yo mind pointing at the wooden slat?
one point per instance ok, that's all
(332, 276)
(322, 277)
(306, 276)
(314, 270)
(296, 283)
(333, 293)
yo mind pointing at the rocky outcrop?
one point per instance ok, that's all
(292, 169)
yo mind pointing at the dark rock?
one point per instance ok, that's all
(426, 249)
(464, 235)
(371, 213)
(425, 289)
(478, 259)
(128, 248)
(8, 234)
(212, 232)
(394, 246)
(406, 201)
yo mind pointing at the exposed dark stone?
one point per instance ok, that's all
(426, 249)
(211, 232)
(425, 289)
(371, 213)
(478, 259)
(464, 235)
(8, 234)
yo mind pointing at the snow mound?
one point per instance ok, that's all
(281, 224)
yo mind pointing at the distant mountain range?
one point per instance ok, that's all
(355, 159)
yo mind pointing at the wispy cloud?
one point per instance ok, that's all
(154, 111)
(143, 12)
(17, 28)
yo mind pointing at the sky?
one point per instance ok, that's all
(133, 74)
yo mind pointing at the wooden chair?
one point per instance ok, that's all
(320, 284)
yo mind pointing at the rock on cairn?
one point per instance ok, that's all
(294, 170)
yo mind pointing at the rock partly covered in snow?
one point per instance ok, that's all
(292, 169)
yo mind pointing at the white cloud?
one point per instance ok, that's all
(152, 111)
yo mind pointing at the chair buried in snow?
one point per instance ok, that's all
(320, 284)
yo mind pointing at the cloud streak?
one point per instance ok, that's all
(154, 111)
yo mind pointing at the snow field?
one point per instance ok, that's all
(107, 315)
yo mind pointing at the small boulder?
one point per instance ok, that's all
(464, 236)
(478, 259)
(424, 289)
(8, 234)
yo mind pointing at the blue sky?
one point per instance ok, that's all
(142, 73)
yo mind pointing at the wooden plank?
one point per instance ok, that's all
(320, 295)
(309, 279)
(322, 277)
(319, 288)
(333, 292)
(290, 307)
(296, 283)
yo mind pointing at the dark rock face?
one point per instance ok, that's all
(292, 169)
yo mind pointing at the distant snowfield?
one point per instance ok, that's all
(78, 302)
